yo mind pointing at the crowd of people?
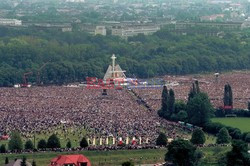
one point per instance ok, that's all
(46, 109)
(119, 114)
(211, 84)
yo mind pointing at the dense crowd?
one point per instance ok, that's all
(214, 87)
(44, 109)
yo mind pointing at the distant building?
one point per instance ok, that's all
(67, 29)
(128, 31)
(246, 24)
(10, 22)
(219, 25)
(75, 0)
(87, 27)
(62, 27)
(212, 17)
(70, 160)
(100, 30)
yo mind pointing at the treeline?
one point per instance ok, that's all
(74, 56)
(198, 111)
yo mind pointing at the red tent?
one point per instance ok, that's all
(75, 160)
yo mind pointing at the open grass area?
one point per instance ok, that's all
(242, 123)
(112, 158)
(107, 158)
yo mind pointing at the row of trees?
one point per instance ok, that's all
(182, 153)
(73, 56)
(199, 138)
(16, 144)
(196, 111)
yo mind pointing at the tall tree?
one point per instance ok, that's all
(29, 145)
(2, 149)
(84, 143)
(194, 90)
(228, 95)
(223, 136)
(198, 137)
(161, 140)
(163, 112)
(42, 144)
(239, 154)
(171, 101)
(15, 143)
(53, 142)
(164, 96)
(247, 138)
(68, 144)
(197, 87)
(199, 109)
(181, 152)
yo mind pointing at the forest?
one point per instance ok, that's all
(73, 56)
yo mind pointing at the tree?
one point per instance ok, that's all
(2, 149)
(161, 140)
(42, 144)
(194, 90)
(223, 136)
(6, 160)
(182, 116)
(168, 103)
(33, 163)
(127, 163)
(228, 95)
(68, 144)
(29, 145)
(53, 142)
(247, 138)
(164, 103)
(84, 143)
(15, 143)
(171, 101)
(197, 87)
(23, 162)
(198, 137)
(236, 133)
(199, 109)
(181, 152)
(238, 155)
(180, 106)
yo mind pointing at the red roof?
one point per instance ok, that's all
(69, 159)
(4, 137)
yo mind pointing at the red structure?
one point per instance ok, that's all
(25, 81)
(4, 137)
(228, 107)
(70, 160)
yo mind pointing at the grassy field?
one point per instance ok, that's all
(107, 158)
(112, 158)
(242, 123)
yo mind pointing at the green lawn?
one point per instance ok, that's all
(114, 158)
(242, 123)
(107, 158)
